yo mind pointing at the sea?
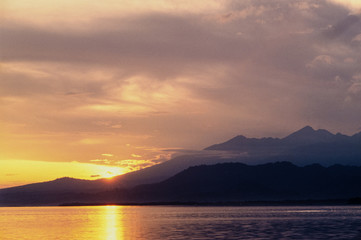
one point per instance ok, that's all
(180, 222)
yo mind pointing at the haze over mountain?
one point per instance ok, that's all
(303, 147)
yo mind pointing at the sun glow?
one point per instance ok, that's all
(19, 172)
(110, 175)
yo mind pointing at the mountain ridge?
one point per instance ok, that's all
(304, 136)
(277, 181)
(303, 147)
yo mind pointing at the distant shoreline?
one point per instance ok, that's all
(353, 201)
(309, 202)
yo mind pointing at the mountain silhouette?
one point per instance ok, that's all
(308, 135)
(219, 183)
(241, 182)
(65, 184)
(303, 147)
(303, 137)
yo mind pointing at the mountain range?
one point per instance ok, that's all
(225, 182)
(303, 147)
(306, 141)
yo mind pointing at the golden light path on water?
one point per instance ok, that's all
(118, 222)
(113, 224)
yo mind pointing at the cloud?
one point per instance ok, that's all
(322, 60)
(353, 5)
(356, 41)
(102, 161)
(342, 26)
(91, 141)
(134, 164)
(165, 79)
(355, 87)
(107, 155)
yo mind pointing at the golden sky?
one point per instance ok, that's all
(96, 89)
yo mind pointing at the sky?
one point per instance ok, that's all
(97, 89)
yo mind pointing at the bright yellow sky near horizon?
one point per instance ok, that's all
(88, 118)
(15, 172)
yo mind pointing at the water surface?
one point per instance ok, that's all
(168, 222)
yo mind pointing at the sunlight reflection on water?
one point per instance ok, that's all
(162, 222)
(112, 223)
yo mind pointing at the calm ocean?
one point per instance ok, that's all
(167, 222)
